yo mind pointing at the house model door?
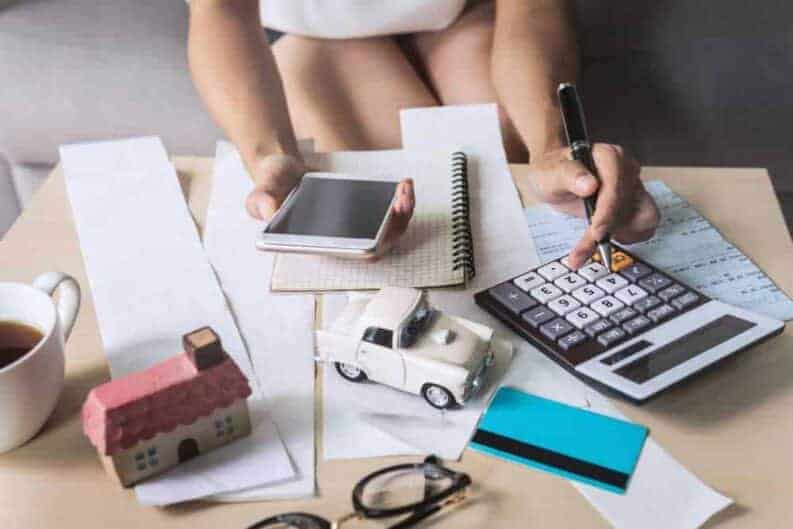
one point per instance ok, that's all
(188, 449)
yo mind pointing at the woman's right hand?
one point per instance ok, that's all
(274, 175)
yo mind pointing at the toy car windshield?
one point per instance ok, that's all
(417, 323)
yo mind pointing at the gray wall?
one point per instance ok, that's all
(687, 82)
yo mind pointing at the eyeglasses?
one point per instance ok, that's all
(418, 490)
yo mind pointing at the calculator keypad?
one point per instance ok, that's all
(592, 309)
(563, 304)
(529, 281)
(545, 293)
(553, 271)
(605, 306)
(611, 283)
(570, 282)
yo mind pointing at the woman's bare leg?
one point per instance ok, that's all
(346, 94)
(456, 63)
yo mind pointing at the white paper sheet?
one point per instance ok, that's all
(356, 416)
(278, 329)
(151, 283)
(686, 245)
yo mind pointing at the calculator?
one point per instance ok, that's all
(633, 329)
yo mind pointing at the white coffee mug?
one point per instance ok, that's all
(30, 386)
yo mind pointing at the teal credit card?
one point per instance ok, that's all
(567, 441)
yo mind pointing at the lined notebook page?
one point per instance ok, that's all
(423, 255)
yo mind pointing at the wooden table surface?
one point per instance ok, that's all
(732, 426)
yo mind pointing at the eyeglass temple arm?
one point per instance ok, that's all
(416, 517)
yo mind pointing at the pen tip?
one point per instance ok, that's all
(605, 255)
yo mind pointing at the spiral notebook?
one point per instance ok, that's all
(437, 249)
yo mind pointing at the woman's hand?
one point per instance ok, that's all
(275, 175)
(624, 208)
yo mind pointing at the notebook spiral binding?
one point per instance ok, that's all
(462, 237)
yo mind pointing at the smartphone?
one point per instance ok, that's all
(332, 214)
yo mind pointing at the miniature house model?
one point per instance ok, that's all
(147, 422)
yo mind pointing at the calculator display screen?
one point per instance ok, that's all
(684, 348)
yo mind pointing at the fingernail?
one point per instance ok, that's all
(263, 212)
(583, 182)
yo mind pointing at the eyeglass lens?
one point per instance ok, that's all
(292, 521)
(404, 487)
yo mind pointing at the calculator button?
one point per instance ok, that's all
(623, 315)
(612, 336)
(513, 299)
(655, 282)
(582, 317)
(593, 271)
(605, 306)
(636, 271)
(685, 300)
(587, 294)
(545, 293)
(556, 329)
(630, 294)
(620, 260)
(611, 282)
(636, 325)
(538, 315)
(660, 313)
(593, 329)
(552, 271)
(571, 340)
(570, 282)
(528, 281)
(563, 304)
(645, 304)
(671, 292)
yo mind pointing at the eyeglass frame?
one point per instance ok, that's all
(419, 510)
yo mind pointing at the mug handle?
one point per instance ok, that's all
(69, 301)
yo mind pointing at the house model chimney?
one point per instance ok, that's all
(204, 348)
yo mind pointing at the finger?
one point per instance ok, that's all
(262, 205)
(406, 198)
(400, 216)
(582, 251)
(567, 180)
(643, 223)
(610, 197)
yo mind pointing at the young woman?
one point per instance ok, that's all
(344, 68)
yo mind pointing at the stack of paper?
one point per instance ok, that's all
(278, 329)
(151, 283)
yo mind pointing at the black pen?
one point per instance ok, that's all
(578, 140)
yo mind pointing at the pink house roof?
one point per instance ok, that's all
(119, 414)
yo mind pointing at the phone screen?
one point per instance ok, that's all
(335, 207)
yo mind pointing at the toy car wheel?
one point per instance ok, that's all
(438, 396)
(350, 372)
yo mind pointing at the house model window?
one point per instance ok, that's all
(147, 422)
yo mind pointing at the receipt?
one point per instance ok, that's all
(686, 246)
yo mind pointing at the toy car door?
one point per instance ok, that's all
(379, 359)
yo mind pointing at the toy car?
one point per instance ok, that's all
(396, 338)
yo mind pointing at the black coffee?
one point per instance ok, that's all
(16, 340)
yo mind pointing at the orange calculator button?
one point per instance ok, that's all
(619, 261)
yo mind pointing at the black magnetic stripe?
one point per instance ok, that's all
(551, 458)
